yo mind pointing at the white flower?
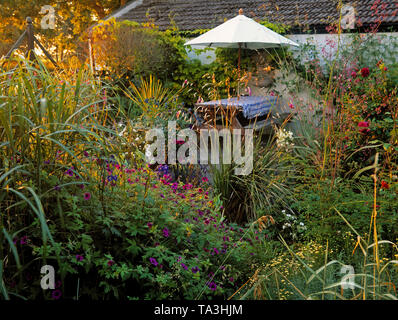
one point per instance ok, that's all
(284, 138)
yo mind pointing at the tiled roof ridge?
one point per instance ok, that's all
(206, 14)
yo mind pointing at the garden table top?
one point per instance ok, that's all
(252, 106)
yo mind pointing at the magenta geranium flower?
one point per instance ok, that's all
(153, 261)
(23, 240)
(363, 124)
(56, 294)
(166, 232)
(87, 196)
(212, 286)
(184, 266)
(111, 263)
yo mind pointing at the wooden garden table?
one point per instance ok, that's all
(224, 113)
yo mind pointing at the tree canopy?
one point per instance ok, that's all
(72, 18)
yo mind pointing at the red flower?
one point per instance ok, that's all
(385, 185)
(353, 74)
(365, 72)
(364, 130)
(363, 124)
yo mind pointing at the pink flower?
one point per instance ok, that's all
(87, 196)
(363, 124)
(353, 74)
(111, 263)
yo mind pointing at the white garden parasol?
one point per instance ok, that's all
(241, 32)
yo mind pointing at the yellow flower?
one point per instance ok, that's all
(268, 69)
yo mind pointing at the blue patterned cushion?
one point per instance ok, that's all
(252, 106)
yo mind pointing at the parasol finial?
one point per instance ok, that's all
(241, 11)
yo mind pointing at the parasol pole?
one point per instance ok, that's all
(239, 68)
(240, 46)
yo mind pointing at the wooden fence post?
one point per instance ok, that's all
(30, 38)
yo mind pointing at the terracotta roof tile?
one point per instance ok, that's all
(205, 14)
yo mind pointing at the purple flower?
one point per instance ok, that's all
(153, 261)
(216, 251)
(149, 224)
(195, 269)
(23, 240)
(212, 286)
(79, 257)
(56, 294)
(166, 232)
(69, 172)
(184, 266)
(57, 188)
